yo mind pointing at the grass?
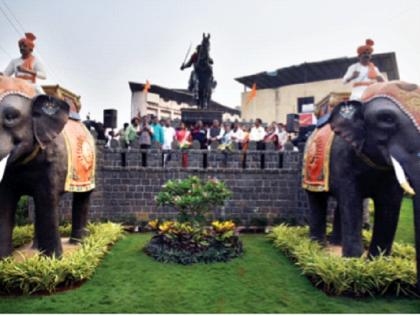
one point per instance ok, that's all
(405, 232)
(262, 281)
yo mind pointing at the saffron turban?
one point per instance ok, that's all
(28, 40)
(368, 47)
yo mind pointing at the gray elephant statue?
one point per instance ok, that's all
(375, 153)
(35, 160)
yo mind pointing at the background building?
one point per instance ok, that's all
(167, 103)
(296, 89)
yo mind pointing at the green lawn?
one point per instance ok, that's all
(405, 232)
(262, 281)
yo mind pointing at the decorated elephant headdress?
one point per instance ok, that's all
(405, 95)
(15, 86)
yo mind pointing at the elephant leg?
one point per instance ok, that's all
(336, 231)
(80, 209)
(46, 223)
(350, 205)
(8, 202)
(318, 215)
(387, 211)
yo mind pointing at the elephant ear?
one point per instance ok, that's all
(49, 116)
(347, 121)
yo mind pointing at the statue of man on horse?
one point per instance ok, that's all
(201, 83)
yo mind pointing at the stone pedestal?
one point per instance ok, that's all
(191, 116)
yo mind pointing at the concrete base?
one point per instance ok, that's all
(191, 116)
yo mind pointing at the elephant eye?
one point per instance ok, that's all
(10, 116)
(386, 119)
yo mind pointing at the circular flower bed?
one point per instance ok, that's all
(184, 243)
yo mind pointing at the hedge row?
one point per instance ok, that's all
(41, 273)
(336, 275)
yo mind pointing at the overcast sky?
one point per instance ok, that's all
(94, 48)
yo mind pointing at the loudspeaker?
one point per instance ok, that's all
(292, 124)
(110, 118)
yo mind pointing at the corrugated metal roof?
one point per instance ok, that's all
(317, 71)
(180, 96)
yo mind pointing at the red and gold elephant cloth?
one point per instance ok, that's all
(80, 157)
(316, 160)
(405, 95)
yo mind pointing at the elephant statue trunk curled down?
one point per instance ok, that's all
(34, 161)
(375, 154)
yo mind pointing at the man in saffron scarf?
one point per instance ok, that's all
(27, 67)
(363, 73)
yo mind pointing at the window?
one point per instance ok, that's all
(304, 101)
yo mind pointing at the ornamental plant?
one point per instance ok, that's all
(43, 274)
(363, 276)
(193, 198)
(184, 243)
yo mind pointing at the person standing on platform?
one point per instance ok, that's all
(169, 134)
(183, 136)
(27, 67)
(157, 131)
(145, 139)
(257, 135)
(214, 133)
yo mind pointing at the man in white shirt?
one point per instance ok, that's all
(237, 135)
(27, 67)
(257, 133)
(283, 136)
(168, 138)
(363, 73)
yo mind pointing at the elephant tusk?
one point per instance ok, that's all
(3, 164)
(402, 179)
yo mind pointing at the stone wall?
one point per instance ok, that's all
(125, 188)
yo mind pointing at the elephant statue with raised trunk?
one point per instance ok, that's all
(43, 154)
(368, 149)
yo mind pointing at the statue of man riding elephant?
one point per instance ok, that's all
(43, 154)
(366, 149)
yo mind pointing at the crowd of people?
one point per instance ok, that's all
(149, 129)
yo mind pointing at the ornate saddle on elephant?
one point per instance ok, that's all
(316, 159)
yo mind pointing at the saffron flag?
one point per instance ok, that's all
(147, 86)
(252, 94)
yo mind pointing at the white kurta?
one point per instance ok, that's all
(357, 91)
(38, 67)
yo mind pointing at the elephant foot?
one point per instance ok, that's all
(57, 252)
(334, 240)
(352, 251)
(5, 252)
(77, 236)
(34, 244)
(318, 238)
(75, 240)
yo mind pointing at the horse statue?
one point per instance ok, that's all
(204, 74)
(201, 81)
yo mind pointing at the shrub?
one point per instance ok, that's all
(22, 211)
(193, 198)
(355, 276)
(41, 273)
(184, 243)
